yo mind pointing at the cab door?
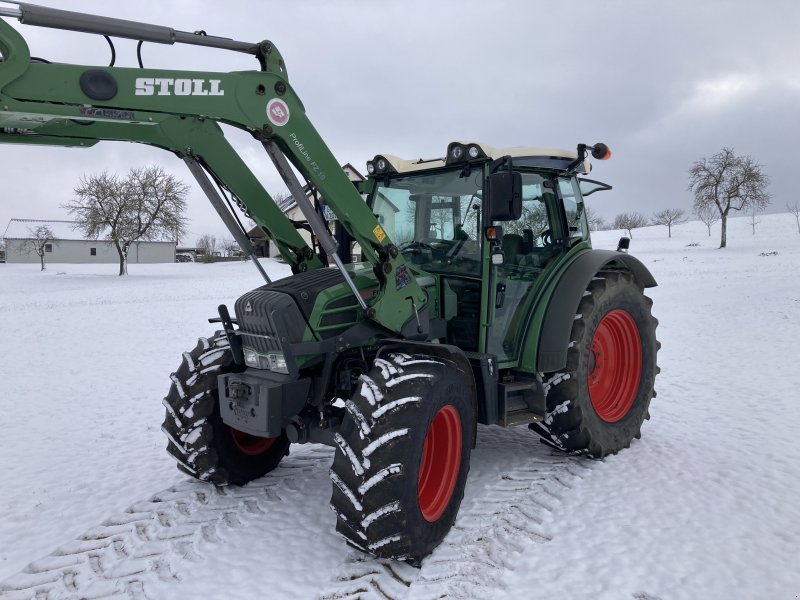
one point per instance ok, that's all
(552, 218)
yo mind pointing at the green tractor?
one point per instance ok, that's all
(479, 298)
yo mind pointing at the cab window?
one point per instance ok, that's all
(434, 218)
(573, 207)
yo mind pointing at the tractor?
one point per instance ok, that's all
(478, 298)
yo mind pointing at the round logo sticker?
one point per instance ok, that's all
(277, 112)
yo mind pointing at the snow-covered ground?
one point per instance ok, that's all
(705, 505)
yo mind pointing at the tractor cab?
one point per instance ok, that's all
(488, 225)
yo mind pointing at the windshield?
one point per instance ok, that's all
(434, 218)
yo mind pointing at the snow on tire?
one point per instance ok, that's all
(203, 446)
(597, 404)
(402, 457)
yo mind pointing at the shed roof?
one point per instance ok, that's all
(22, 229)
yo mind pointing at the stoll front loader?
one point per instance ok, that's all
(479, 298)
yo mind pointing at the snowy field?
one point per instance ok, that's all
(705, 505)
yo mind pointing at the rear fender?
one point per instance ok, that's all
(550, 353)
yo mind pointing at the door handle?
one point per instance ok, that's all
(500, 295)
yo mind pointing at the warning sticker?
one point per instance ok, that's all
(379, 233)
(277, 112)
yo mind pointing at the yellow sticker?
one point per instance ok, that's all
(379, 233)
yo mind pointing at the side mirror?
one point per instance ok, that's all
(623, 244)
(505, 196)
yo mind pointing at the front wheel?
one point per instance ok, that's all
(201, 443)
(597, 404)
(402, 457)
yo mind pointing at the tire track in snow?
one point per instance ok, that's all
(505, 510)
(514, 486)
(148, 541)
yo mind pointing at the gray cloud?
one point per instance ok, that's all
(662, 83)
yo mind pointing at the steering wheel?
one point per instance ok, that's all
(547, 237)
(457, 244)
(415, 247)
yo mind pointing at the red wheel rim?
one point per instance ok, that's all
(441, 459)
(252, 445)
(615, 365)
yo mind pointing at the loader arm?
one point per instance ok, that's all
(181, 111)
(198, 138)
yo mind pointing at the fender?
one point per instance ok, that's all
(563, 304)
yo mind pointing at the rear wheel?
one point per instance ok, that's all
(402, 457)
(597, 405)
(203, 445)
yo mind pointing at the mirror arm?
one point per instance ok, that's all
(573, 167)
(499, 163)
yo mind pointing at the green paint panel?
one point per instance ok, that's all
(539, 303)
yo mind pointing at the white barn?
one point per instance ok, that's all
(70, 246)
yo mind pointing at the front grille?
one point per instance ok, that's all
(253, 314)
(272, 316)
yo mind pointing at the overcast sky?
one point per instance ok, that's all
(662, 83)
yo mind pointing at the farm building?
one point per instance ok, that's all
(70, 246)
(289, 207)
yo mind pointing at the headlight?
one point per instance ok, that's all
(251, 358)
(277, 363)
(459, 153)
(380, 166)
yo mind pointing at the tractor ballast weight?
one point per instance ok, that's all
(480, 298)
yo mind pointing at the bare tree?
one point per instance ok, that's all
(231, 247)
(754, 220)
(533, 217)
(2, 250)
(629, 221)
(795, 210)
(728, 182)
(41, 238)
(596, 222)
(708, 215)
(147, 204)
(207, 245)
(670, 217)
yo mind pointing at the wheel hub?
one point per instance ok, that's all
(252, 445)
(439, 466)
(614, 365)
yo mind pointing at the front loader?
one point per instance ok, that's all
(478, 300)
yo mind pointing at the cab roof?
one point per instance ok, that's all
(532, 156)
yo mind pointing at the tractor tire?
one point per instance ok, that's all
(402, 457)
(597, 404)
(201, 443)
